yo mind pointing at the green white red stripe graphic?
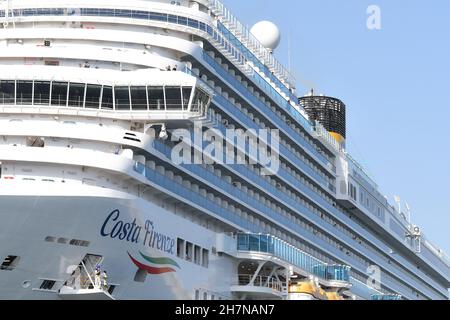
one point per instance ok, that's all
(160, 265)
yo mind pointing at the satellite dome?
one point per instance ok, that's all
(267, 33)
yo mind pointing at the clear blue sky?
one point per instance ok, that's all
(395, 83)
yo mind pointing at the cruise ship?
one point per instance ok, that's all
(158, 150)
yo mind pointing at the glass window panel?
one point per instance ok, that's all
(254, 243)
(138, 98)
(107, 98)
(172, 18)
(93, 93)
(123, 13)
(140, 15)
(197, 256)
(173, 98)
(243, 244)
(186, 96)
(42, 92)
(271, 245)
(24, 92)
(122, 96)
(264, 244)
(156, 98)
(182, 20)
(7, 90)
(196, 102)
(205, 258)
(193, 23)
(76, 95)
(59, 93)
(106, 12)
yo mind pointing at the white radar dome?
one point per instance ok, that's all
(267, 33)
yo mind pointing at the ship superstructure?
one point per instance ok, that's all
(97, 98)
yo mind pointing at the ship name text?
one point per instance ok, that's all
(131, 231)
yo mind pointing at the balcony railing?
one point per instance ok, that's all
(257, 49)
(260, 281)
(386, 297)
(288, 253)
(203, 201)
(266, 110)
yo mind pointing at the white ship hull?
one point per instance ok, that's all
(25, 227)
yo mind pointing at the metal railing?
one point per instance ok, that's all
(360, 169)
(98, 101)
(260, 281)
(250, 41)
(288, 253)
(386, 297)
(271, 114)
(199, 200)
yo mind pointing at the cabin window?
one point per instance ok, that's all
(156, 98)
(93, 93)
(24, 92)
(180, 248)
(122, 96)
(186, 97)
(59, 94)
(352, 191)
(62, 240)
(173, 98)
(182, 20)
(7, 91)
(197, 252)
(189, 251)
(107, 98)
(76, 94)
(200, 101)
(42, 93)
(51, 63)
(50, 239)
(205, 258)
(138, 98)
(79, 243)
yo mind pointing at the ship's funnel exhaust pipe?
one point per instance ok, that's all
(328, 111)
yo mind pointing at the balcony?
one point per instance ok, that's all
(259, 251)
(251, 45)
(386, 297)
(259, 287)
(280, 123)
(256, 243)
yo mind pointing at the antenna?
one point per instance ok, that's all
(408, 211)
(399, 203)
